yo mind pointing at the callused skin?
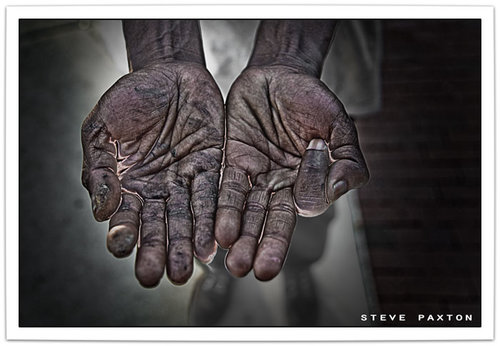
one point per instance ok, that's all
(290, 147)
(152, 152)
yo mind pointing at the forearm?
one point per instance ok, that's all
(151, 41)
(303, 44)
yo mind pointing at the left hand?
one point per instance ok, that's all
(291, 148)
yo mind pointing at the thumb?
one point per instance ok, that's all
(345, 175)
(104, 189)
(99, 168)
(310, 186)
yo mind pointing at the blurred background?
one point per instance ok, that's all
(409, 242)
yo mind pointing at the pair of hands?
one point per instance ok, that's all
(152, 160)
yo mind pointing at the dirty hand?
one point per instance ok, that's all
(152, 153)
(291, 148)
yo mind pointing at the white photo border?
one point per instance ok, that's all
(14, 13)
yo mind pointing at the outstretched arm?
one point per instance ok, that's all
(150, 41)
(302, 44)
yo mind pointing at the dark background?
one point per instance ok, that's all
(421, 210)
(422, 207)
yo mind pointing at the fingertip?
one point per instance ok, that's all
(271, 255)
(236, 267)
(310, 211)
(336, 190)
(345, 175)
(147, 281)
(206, 251)
(180, 278)
(267, 266)
(150, 266)
(227, 227)
(180, 262)
(239, 259)
(105, 194)
(121, 240)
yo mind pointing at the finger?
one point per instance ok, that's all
(151, 254)
(233, 190)
(180, 230)
(124, 226)
(99, 167)
(349, 170)
(104, 188)
(345, 175)
(309, 189)
(278, 231)
(240, 257)
(204, 191)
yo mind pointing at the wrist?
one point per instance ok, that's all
(301, 64)
(162, 41)
(299, 44)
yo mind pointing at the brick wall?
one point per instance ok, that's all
(422, 206)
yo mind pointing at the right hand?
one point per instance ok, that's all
(152, 154)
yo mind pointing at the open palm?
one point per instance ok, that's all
(277, 163)
(152, 154)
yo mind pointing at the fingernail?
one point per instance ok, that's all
(316, 144)
(99, 202)
(339, 188)
(100, 196)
